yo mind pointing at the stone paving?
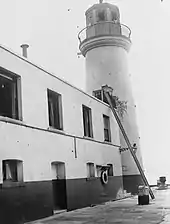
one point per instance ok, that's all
(125, 211)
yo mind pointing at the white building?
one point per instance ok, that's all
(56, 140)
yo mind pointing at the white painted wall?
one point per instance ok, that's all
(38, 148)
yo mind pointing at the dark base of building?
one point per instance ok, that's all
(131, 183)
(31, 201)
(35, 200)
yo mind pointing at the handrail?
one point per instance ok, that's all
(125, 30)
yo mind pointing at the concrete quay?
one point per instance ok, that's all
(125, 211)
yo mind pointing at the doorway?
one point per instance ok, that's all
(59, 185)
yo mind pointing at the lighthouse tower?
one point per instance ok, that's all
(105, 44)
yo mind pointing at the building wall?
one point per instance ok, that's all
(35, 82)
(39, 148)
(33, 142)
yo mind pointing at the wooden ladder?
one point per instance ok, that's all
(107, 92)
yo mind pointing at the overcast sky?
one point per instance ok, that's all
(50, 27)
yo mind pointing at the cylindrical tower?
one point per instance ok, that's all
(105, 43)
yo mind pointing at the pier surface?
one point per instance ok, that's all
(125, 211)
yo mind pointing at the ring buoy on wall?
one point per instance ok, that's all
(104, 177)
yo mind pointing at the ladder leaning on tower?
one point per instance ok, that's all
(108, 94)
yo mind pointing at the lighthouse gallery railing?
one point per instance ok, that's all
(105, 28)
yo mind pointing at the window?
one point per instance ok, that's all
(58, 170)
(114, 17)
(99, 94)
(55, 110)
(12, 170)
(87, 121)
(90, 170)
(107, 134)
(110, 169)
(98, 170)
(101, 15)
(10, 95)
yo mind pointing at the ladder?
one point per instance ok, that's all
(108, 94)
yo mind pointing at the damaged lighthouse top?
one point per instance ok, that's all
(103, 28)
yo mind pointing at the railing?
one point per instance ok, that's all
(105, 28)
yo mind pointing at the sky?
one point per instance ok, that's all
(50, 27)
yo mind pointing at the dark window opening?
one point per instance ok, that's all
(9, 104)
(87, 121)
(114, 17)
(55, 110)
(90, 170)
(107, 134)
(101, 16)
(12, 170)
(99, 94)
(110, 170)
(98, 170)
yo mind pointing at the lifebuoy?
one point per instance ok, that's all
(104, 177)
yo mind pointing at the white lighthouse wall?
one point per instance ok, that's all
(109, 65)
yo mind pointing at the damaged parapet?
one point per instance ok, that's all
(119, 105)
